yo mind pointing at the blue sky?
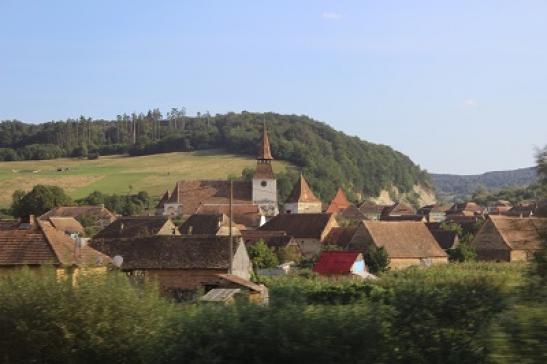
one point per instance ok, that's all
(459, 86)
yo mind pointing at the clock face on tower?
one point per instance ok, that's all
(263, 183)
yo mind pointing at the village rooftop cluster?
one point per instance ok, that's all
(205, 256)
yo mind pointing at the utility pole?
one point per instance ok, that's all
(230, 226)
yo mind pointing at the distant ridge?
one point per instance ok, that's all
(449, 186)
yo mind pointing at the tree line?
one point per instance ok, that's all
(328, 158)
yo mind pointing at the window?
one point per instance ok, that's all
(263, 183)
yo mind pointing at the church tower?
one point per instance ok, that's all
(302, 199)
(264, 183)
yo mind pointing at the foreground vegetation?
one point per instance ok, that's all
(460, 313)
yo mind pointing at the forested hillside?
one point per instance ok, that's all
(462, 186)
(328, 158)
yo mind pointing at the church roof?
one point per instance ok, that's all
(264, 150)
(339, 202)
(302, 192)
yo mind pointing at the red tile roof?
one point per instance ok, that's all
(299, 225)
(335, 262)
(302, 192)
(339, 202)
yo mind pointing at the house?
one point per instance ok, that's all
(339, 203)
(340, 236)
(309, 230)
(211, 224)
(341, 264)
(130, 227)
(521, 210)
(302, 200)
(247, 216)
(499, 207)
(400, 212)
(465, 209)
(38, 243)
(68, 225)
(182, 265)
(406, 242)
(433, 213)
(509, 239)
(284, 245)
(98, 213)
(187, 196)
(371, 210)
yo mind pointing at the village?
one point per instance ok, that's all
(205, 256)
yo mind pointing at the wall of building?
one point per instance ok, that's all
(264, 194)
(309, 246)
(520, 256)
(302, 207)
(401, 263)
(242, 265)
(167, 229)
(186, 279)
(172, 209)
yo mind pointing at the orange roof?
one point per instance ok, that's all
(339, 202)
(302, 192)
(264, 150)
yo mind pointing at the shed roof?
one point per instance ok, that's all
(336, 262)
(404, 239)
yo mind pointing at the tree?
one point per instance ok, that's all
(464, 252)
(377, 259)
(41, 199)
(262, 256)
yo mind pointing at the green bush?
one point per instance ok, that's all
(103, 319)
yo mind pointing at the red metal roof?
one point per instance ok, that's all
(335, 262)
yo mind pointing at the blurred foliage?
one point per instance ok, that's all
(39, 200)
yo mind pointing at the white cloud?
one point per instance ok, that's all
(331, 15)
(470, 104)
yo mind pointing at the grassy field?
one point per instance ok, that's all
(121, 174)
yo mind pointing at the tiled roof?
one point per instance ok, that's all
(302, 192)
(171, 252)
(339, 202)
(248, 215)
(299, 225)
(371, 208)
(353, 212)
(340, 236)
(402, 218)
(264, 150)
(398, 209)
(335, 262)
(273, 239)
(98, 211)
(521, 234)
(204, 224)
(446, 239)
(133, 227)
(264, 170)
(404, 239)
(465, 208)
(40, 243)
(68, 225)
(192, 194)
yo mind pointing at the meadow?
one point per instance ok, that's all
(122, 174)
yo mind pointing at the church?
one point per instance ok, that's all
(259, 194)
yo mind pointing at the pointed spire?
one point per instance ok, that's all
(264, 151)
(339, 202)
(302, 192)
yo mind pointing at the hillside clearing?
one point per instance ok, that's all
(122, 174)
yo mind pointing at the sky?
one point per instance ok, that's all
(458, 86)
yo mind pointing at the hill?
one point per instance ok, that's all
(327, 157)
(122, 174)
(449, 186)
